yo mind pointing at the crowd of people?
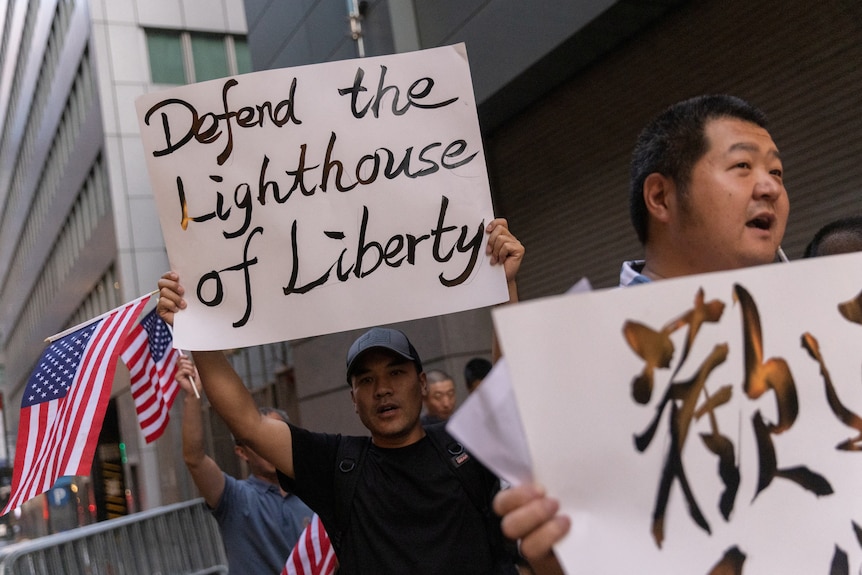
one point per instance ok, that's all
(706, 194)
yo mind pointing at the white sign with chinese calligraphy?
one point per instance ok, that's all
(322, 198)
(702, 425)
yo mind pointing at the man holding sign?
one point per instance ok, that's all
(409, 508)
(706, 195)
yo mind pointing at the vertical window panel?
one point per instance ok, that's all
(210, 57)
(166, 57)
(243, 56)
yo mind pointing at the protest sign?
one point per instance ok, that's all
(322, 198)
(701, 425)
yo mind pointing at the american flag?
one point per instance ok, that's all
(313, 553)
(152, 364)
(64, 403)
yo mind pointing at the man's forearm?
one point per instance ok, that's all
(193, 431)
(226, 392)
(496, 350)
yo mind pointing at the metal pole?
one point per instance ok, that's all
(355, 16)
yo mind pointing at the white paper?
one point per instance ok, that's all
(489, 425)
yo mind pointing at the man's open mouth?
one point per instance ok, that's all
(763, 222)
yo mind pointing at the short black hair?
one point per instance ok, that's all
(673, 142)
(476, 369)
(851, 225)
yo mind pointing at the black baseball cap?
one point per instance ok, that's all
(385, 338)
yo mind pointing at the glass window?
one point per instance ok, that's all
(243, 56)
(210, 57)
(166, 57)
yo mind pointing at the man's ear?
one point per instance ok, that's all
(659, 196)
(423, 384)
(240, 452)
(353, 399)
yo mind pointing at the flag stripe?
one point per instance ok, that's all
(99, 369)
(65, 447)
(65, 401)
(80, 408)
(313, 553)
(152, 363)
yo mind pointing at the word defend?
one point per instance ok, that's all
(331, 197)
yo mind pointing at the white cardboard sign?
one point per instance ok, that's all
(322, 198)
(700, 432)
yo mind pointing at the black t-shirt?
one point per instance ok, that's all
(410, 514)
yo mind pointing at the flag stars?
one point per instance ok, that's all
(57, 367)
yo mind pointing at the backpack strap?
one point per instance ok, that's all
(348, 467)
(480, 486)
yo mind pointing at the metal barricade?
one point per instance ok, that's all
(179, 539)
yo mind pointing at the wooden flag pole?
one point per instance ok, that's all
(192, 379)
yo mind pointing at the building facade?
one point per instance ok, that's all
(78, 225)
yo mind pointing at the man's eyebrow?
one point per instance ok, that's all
(750, 147)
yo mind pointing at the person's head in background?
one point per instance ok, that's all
(440, 400)
(707, 191)
(257, 465)
(841, 236)
(475, 371)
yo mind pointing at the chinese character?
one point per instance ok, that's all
(844, 415)
(657, 349)
(730, 564)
